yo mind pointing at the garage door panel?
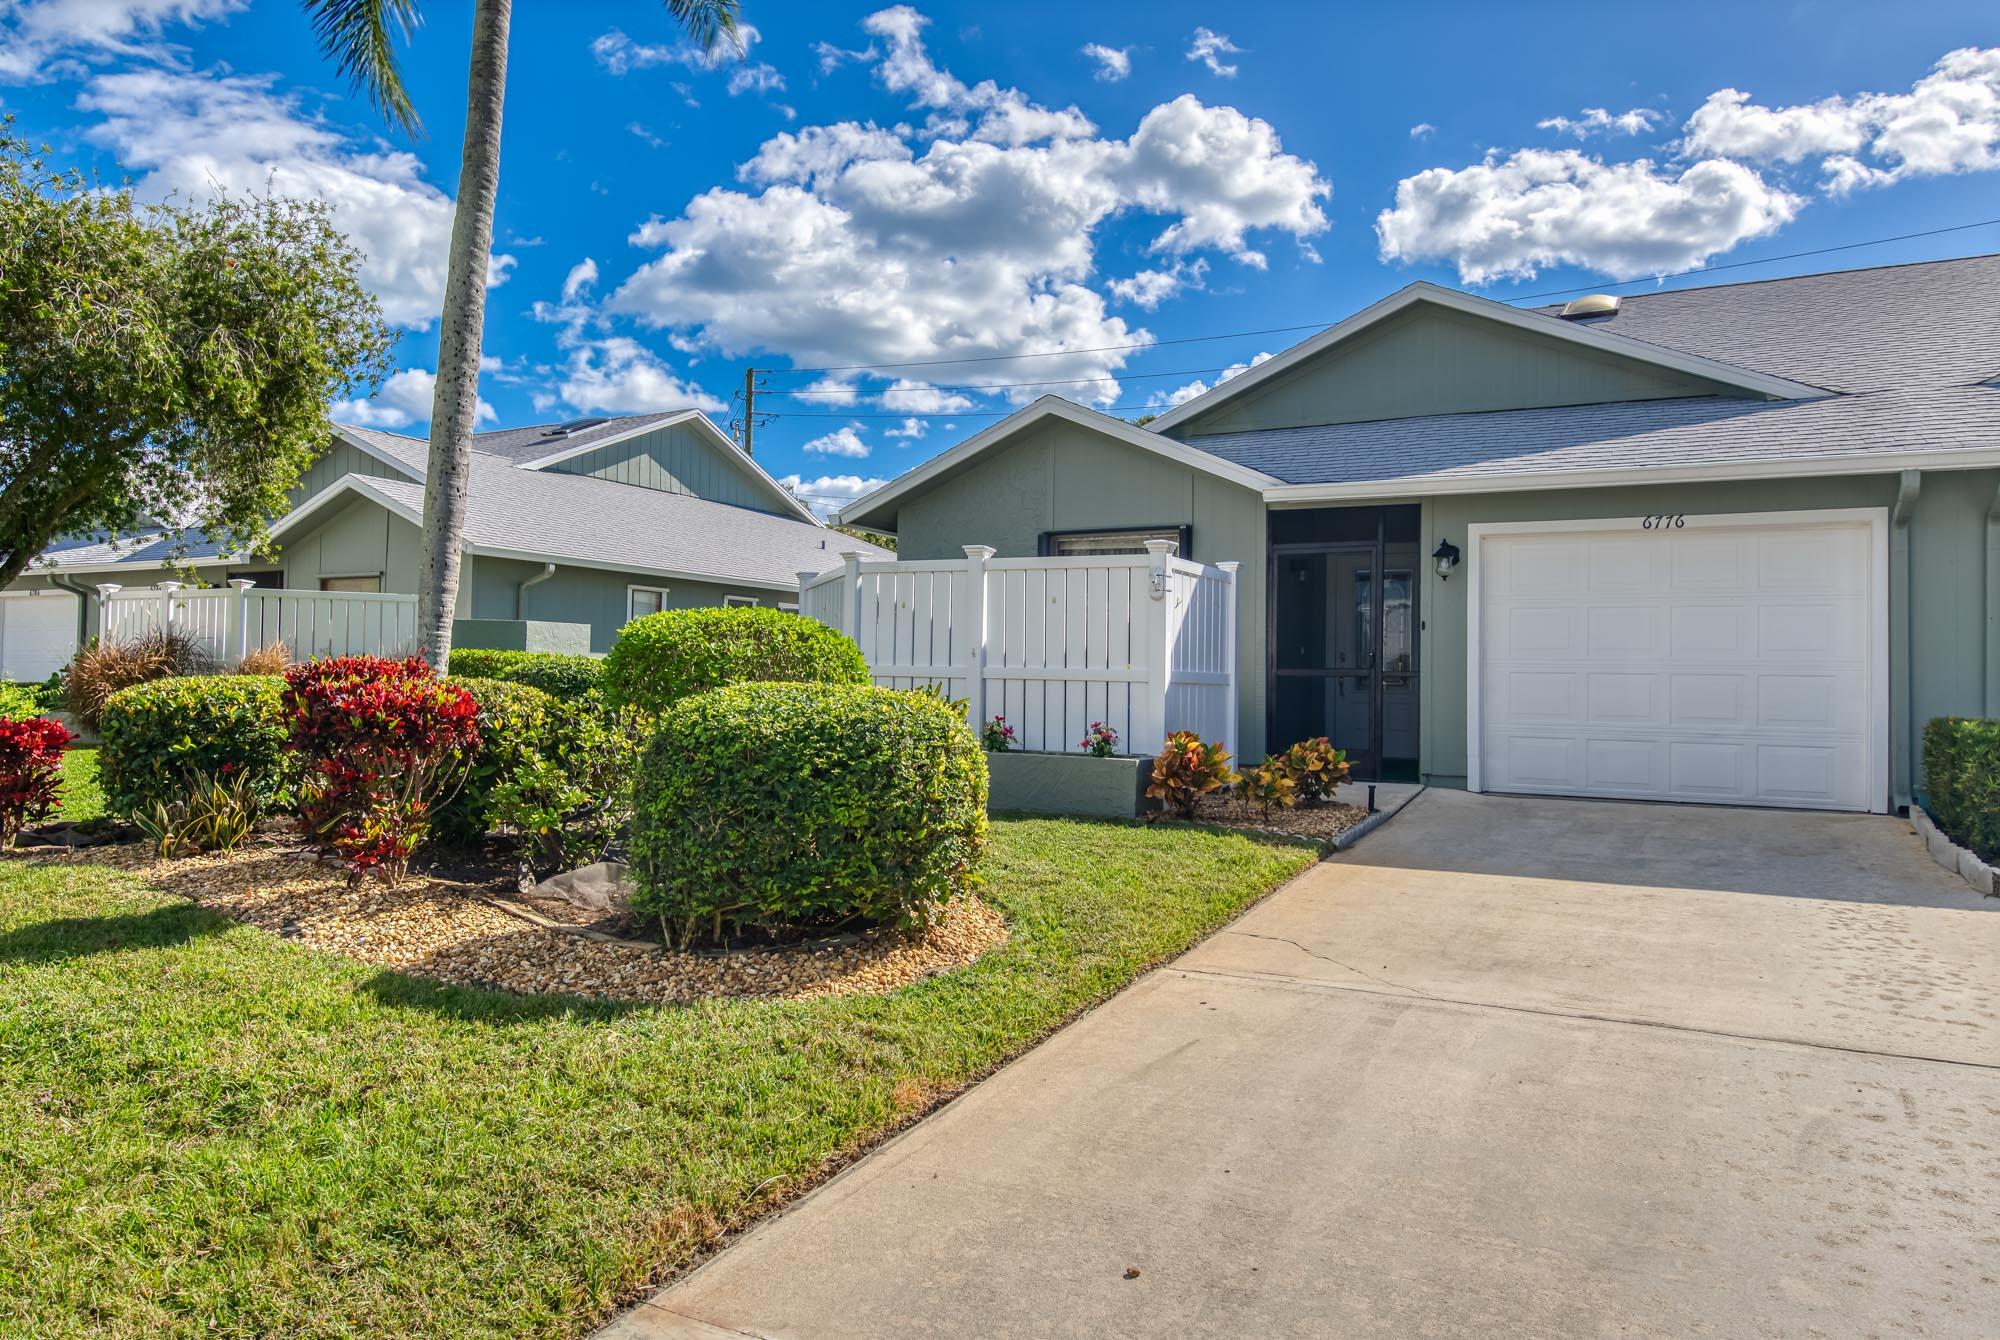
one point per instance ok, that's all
(1626, 632)
(1724, 663)
(37, 635)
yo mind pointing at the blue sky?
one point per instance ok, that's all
(870, 186)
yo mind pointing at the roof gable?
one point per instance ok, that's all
(1428, 350)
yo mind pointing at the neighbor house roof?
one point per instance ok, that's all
(1573, 445)
(539, 446)
(580, 521)
(102, 553)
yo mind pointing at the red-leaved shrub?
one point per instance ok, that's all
(30, 758)
(385, 742)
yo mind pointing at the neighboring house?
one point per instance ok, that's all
(1729, 544)
(574, 529)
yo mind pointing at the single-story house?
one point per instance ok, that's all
(1731, 544)
(574, 529)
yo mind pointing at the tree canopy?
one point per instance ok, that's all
(165, 366)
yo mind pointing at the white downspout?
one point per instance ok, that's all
(521, 592)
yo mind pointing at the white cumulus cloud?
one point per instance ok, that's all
(843, 441)
(828, 492)
(1509, 217)
(618, 375)
(402, 399)
(1165, 400)
(189, 134)
(1113, 63)
(1209, 47)
(1597, 121)
(620, 54)
(1948, 122)
(853, 243)
(46, 39)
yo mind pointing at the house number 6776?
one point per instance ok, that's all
(1665, 521)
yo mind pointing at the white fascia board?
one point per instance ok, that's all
(1790, 467)
(1047, 407)
(1760, 383)
(701, 422)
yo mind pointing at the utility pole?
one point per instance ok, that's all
(744, 426)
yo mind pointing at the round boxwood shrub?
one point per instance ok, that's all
(662, 658)
(517, 723)
(159, 735)
(766, 806)
(559, 676)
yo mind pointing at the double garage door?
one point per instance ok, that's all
(37, 634)
(1732, 660)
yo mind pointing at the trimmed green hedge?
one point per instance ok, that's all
(763, 806)
(565, 677)
(1962, 781)
(160, 734)
(18, 702)
(517, 724)
(662, 658)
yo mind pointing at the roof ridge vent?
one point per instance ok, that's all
(1591, 304)
(573, 426)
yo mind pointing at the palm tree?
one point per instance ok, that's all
(360, 37)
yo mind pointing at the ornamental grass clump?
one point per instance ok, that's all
(30, 763)
(103, 668)
(386, 742)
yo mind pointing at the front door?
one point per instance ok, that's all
(1343, 634)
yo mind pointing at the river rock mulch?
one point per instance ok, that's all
(458, 931)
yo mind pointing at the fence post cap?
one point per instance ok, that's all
(982, 552)
(851, 555)
(1161, 548)
(167, 586)
(243, 583)
(108, 589)
(1230, 566)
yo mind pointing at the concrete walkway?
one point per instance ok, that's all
(1509, 1067)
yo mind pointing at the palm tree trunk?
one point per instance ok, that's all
(455, 402)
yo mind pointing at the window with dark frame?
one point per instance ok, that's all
(1132, 540)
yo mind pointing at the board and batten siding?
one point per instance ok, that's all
(343, 459)
(586, 595)
(1430, 360)
(675, 458)
(1060, 476)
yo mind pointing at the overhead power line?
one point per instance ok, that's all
(879, 392)
(1321, 325)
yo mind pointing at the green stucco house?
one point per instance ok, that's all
(1730, 544)
(575, 529)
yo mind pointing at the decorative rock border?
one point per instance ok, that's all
(1951, 856)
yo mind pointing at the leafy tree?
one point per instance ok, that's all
(360, 37)
(165, 364)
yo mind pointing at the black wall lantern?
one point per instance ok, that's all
(1446, 556)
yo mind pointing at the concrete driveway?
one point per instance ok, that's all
(1510, 1067)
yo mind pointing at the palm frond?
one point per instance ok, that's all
(360, 37)
(706, 22)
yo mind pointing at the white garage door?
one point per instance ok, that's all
(37, 634)
(1734, 660)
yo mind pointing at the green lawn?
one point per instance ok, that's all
(80, 797)
(207, 1130)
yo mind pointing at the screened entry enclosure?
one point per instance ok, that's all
(1343, 634)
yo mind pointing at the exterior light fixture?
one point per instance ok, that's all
(1446, 557)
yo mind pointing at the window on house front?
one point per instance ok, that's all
(1082, 543)
(373, 582)
(739, 600)
(643, 600)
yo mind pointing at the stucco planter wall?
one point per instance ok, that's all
(1950, 855)
(1111, 788)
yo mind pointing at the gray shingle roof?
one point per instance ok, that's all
(147, 550)
(518, 445)
(575, 518)
(1935, 323)
(1632, 434)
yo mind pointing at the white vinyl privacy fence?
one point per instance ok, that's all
(232, 621)
(1143, 642)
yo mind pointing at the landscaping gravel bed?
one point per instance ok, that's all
(458, 932)
(1321, 823)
